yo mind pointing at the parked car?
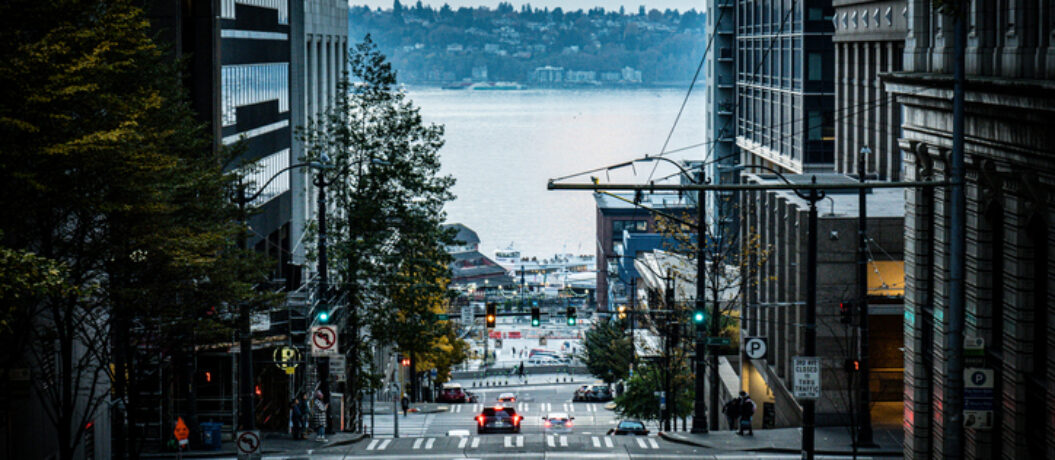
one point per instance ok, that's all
(557, 423)
(580, 393)
(599, 393)
(629, 427)
(471, 397)
(498, 418)
(453, 393)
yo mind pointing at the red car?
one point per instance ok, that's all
(453, 393)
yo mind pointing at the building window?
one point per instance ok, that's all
(632, 226)
(264, 169)
(227, 9)
(249, 84)
(816, 66)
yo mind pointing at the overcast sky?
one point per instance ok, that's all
(681, 5)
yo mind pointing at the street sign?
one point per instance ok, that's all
(286, 357)
(338, 364)
(323, 340)
(181, 432)
(756, 347)
(807, 377)
(718, 341)
(443, 317)
(973, 352)
(248, 445)
(467, 315)
(978, 398)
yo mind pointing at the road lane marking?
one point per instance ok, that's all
(641, 443)
(549, 441)
(417, 443)
(428, 444)
(565, 407)
(520, 441)
(527, 407)
(653, 443)
(572, 408)
(384, 444)
(372, 444)
(596, 442)
(608, 442)
(463, 442)
(564, 441)
(476, 442)
(508, 441)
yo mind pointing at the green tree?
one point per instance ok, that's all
(607, 351)
(639, 399)
(388, 239)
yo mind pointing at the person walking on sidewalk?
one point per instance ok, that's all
(296, 418)
(731, 409)
(319, 416)
(747, 410)
(405, 402)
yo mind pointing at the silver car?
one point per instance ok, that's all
(557, 423)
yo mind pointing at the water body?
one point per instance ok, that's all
(503, 146)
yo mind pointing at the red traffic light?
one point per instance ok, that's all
(405, 362)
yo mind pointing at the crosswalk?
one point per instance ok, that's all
(511, 442)
(525, 407)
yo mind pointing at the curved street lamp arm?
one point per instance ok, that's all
(805, 196)
(256, 195)
(684, 171)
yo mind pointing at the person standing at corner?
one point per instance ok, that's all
(747, 410)
(319, 416)
(731, 409)
(405, 402)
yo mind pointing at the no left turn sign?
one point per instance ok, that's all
(323, 340)
(248, 444)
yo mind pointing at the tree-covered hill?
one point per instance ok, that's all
(598, 46)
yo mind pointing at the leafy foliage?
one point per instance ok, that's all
(640, 401)
(607, 351)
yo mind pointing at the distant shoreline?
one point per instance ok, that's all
(528, 86)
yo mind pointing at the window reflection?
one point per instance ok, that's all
(264, 169)
(252, 84)
(227, 8)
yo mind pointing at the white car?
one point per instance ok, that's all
(557, 423)
(507, 398)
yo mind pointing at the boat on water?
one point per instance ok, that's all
(496, 86)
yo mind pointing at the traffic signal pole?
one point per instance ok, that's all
(699, 415)
(323, 365)
(864, 400)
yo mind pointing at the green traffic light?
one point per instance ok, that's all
(698, 317)
(324, 316)
(571, 321)
(534, 322)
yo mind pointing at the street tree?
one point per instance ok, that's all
(387, 235)
(607, 352)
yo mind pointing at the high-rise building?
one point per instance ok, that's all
(1010, 178)
(720, 121)
(785, 84)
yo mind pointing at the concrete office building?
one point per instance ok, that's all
(1010, 281)
(720, 122)
(869, 40)
(776, 224)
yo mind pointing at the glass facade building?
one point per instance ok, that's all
(785, 83)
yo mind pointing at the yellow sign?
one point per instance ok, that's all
(291, 370)
(287, 358)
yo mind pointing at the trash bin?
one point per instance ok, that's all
(210, 435)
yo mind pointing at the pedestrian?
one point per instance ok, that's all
(747, 410)
(296, 419)
(731, 409)
(319, 416)
(405, 402)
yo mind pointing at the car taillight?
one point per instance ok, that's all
(548, 424)
(516, 419)
(568, 424)
(480, 419)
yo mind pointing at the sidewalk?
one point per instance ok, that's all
(273, 443)
(828, 441)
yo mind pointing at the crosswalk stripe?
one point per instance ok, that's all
(463, 442)
(417, 443)
(653, 443)
(372, 444)
(608, 442)
(520, 441)
(527, 407)
(641, 443)
(549, 441)
(476, 442)
(384, 444)
(565, 406)
(564, 441)
(428, 444)
(508, 441)
(572, 408)
(596, 442)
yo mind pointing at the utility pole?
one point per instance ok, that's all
(699, 416)
(953, 426)
(864, 400)
(808, 414)
(323, 368)
(668, 346)
(245, 356)
(716, 316)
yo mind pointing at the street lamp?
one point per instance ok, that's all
(813, 196)
(245, 363)
(700, 413)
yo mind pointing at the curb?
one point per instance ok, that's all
(352, 440)
(777, 450)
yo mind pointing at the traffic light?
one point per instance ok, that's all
(536, 317)
(622, 312)
(846, 312)
(572, 320)
(405, 362)
(322, 314)
(492, 314)
(699, 315)
(852, 365)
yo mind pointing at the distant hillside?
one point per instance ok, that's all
(538, 47)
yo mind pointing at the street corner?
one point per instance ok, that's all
(686, 439)
(344, 439)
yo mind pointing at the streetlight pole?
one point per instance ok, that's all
(808, 409)
(246, 415)
(323, 370)
(864, 433)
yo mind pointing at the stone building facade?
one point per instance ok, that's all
(1010, 282)
(775, 231)
(869, 40)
